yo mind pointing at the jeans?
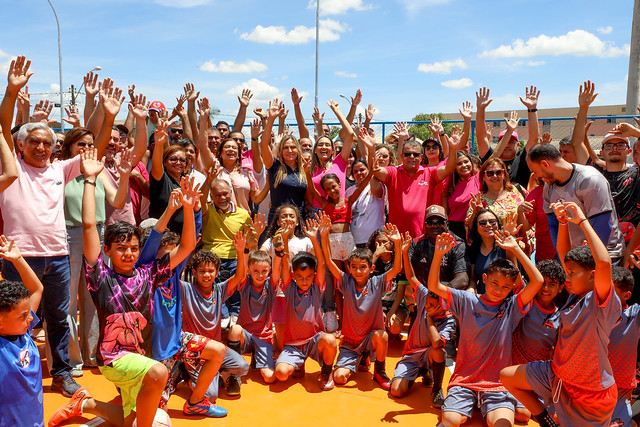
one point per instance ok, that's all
(227, 269)
(54, 274)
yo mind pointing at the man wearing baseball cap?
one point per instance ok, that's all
(152, 121)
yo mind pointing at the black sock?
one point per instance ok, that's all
(235, 346)
(326, 369)
(545, 419)
(438, 374)
(380, 366)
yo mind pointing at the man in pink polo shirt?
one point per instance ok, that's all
(408, 185)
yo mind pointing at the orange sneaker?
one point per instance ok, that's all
(72, 409)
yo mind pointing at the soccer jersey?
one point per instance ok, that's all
(453, 262)
(304, 313)
(201, 314)
(125, 306)
(21, 385)
(623, 347)
(255, 309)
(485, 338)
(580, 358)
(536, 335)
(419, 338)
(362, 308)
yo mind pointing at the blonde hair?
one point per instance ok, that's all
(281, 174)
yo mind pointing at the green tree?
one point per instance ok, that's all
(422, 131)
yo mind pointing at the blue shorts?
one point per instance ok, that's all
(573, 407)
(295, 355)
(349, 356)
(461, 400)
(622, 412)
(262, 351)
(408, 368)
(233, 363)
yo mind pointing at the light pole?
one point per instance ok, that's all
(317, 45)
(59, 63)
(73, 90)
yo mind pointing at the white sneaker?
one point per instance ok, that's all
(225, 323)
(233, 319)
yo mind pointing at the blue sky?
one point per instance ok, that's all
(407, 56)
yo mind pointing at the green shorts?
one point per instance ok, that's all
(127, 373)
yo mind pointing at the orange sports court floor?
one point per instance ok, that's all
(361, 402)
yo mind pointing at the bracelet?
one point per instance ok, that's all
(254, 139)
(86, 181)
(582, 222)
(442, 134)
(246, 250)
(532, 110)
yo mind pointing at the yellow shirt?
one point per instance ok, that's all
(220, 227)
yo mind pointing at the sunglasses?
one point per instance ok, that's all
(176, 130)
(484, 222)
(84, 144)
(430, 147)
(434, 223)
(178, 160)
(494, 173)
(410, 154)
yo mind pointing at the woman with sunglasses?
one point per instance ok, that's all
(241, 179)
(386, 155)
(496, 192)
(168, 164)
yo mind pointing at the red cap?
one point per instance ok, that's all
(156, 106)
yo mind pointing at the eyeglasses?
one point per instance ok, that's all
(238, 139)
(494, 173)
(434, 223)
(61, 141)
(176, 130)
(484, 222)
(174, 159)
(384, 156)
(411, 154)
(430, 147)
(84, 144)
(612, 145)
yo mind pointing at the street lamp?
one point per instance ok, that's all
(317, 46)
(59, 63)
(73, 90)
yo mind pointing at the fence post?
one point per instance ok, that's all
(383, 133)
(473, 134)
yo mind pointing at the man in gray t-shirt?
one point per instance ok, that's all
(584, 185)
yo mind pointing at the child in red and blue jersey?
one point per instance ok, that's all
(254, 331)
(362, 319)
(579, 378)
(623, 347)
(303, 285)
(487, 323)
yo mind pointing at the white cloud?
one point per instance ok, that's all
(345, 74)
(262, 91)
(337, 7)
(576, 43)
(183, 4)
(416, 5)
(605, 30)
(329, 32)
(457, 84)
(248, 66)
(443, 67)
(528, 63)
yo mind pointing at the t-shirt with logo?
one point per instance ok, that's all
(453, 262)
(623, 347)
(255, 309)
(201, 314)
(304, 312)
(536, 335)
(625, 190)
(419, 338)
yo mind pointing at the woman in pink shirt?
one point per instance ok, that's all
(459, 187)
(243, 183)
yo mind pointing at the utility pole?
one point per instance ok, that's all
(633, 82)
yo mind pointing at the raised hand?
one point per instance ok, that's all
(215, 170)
(482, 98)
(190, 192)
(311, 230)
(91, 86)
(476, 203)
(525, 207)
(9, 250)
(306, 165)
(531, 97)
(512, 123)
(274, 109)
(282, 113)
(625, 130)
(139, 107)
(560, 212)
(245, 98)
(24, 99)
(90, 164)
(510, 224)
(255, 128)
(368, 113)
(74, 116)
(324, 225)
(401, 129)
(41, 112)
(19, 73)
(435, 126)
(367, 139)
(190, 92)
(392, 233)
(636, 119)
(317, 117)
(546, 138)
(587, 94)
(467, 109)
(125, 165)
(259, 111)
(295, 98)
(160, 136)
(505, 240)
(355, 100)
(131, 90)
(203, 108)
(381, 249)
(175, 200)
(406, 242)
(240, 242)
(259, 223)
(444, 243)
(333, 105)
(111, 99)
(574, 213)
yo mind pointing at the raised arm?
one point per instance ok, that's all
(139, 109)
(17, 78)
(92, 168)
(455, 143)
(192, 96)
(7, 162)
(111, 99)
(10, 251)
(90, 90)
(509, 244)
(355, 101)
(346, 133)
(117, 197)
(244, 100)
(258, 165)
(282, 117)
(394, 235)
(466, 111)
(563, 244)
(312, 229)
(189, 196)
(369, 142)
(587, 150)
(302, 127)
(408, 267)
(318, 121)
(161, 139)
(512, 124)
(206, 156)
(265, 150)
(368, 116)
(324, 224)
(129, 122)
(482, 102)
(312, 188)
(239, 242)
(444, 243)
(586, 96)
(437, 130)
(531, 102)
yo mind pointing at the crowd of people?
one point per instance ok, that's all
(140, 243)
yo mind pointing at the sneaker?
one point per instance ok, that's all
(233, 385)
(233, 319)
(76, 372)
(299, 372)
(326, 381)
(437, 399)
(64, 384)
(204, 408)
(72, 409)
(365, 364)
(381, 378)
(225, 323)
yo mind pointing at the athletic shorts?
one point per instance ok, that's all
(262, 351)
(127, 374)
(574, 406)
(461, 400)
(295, 355)
(232, 363)
(349, 356)
(408, 368)
(342, 245)
(622, 412)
